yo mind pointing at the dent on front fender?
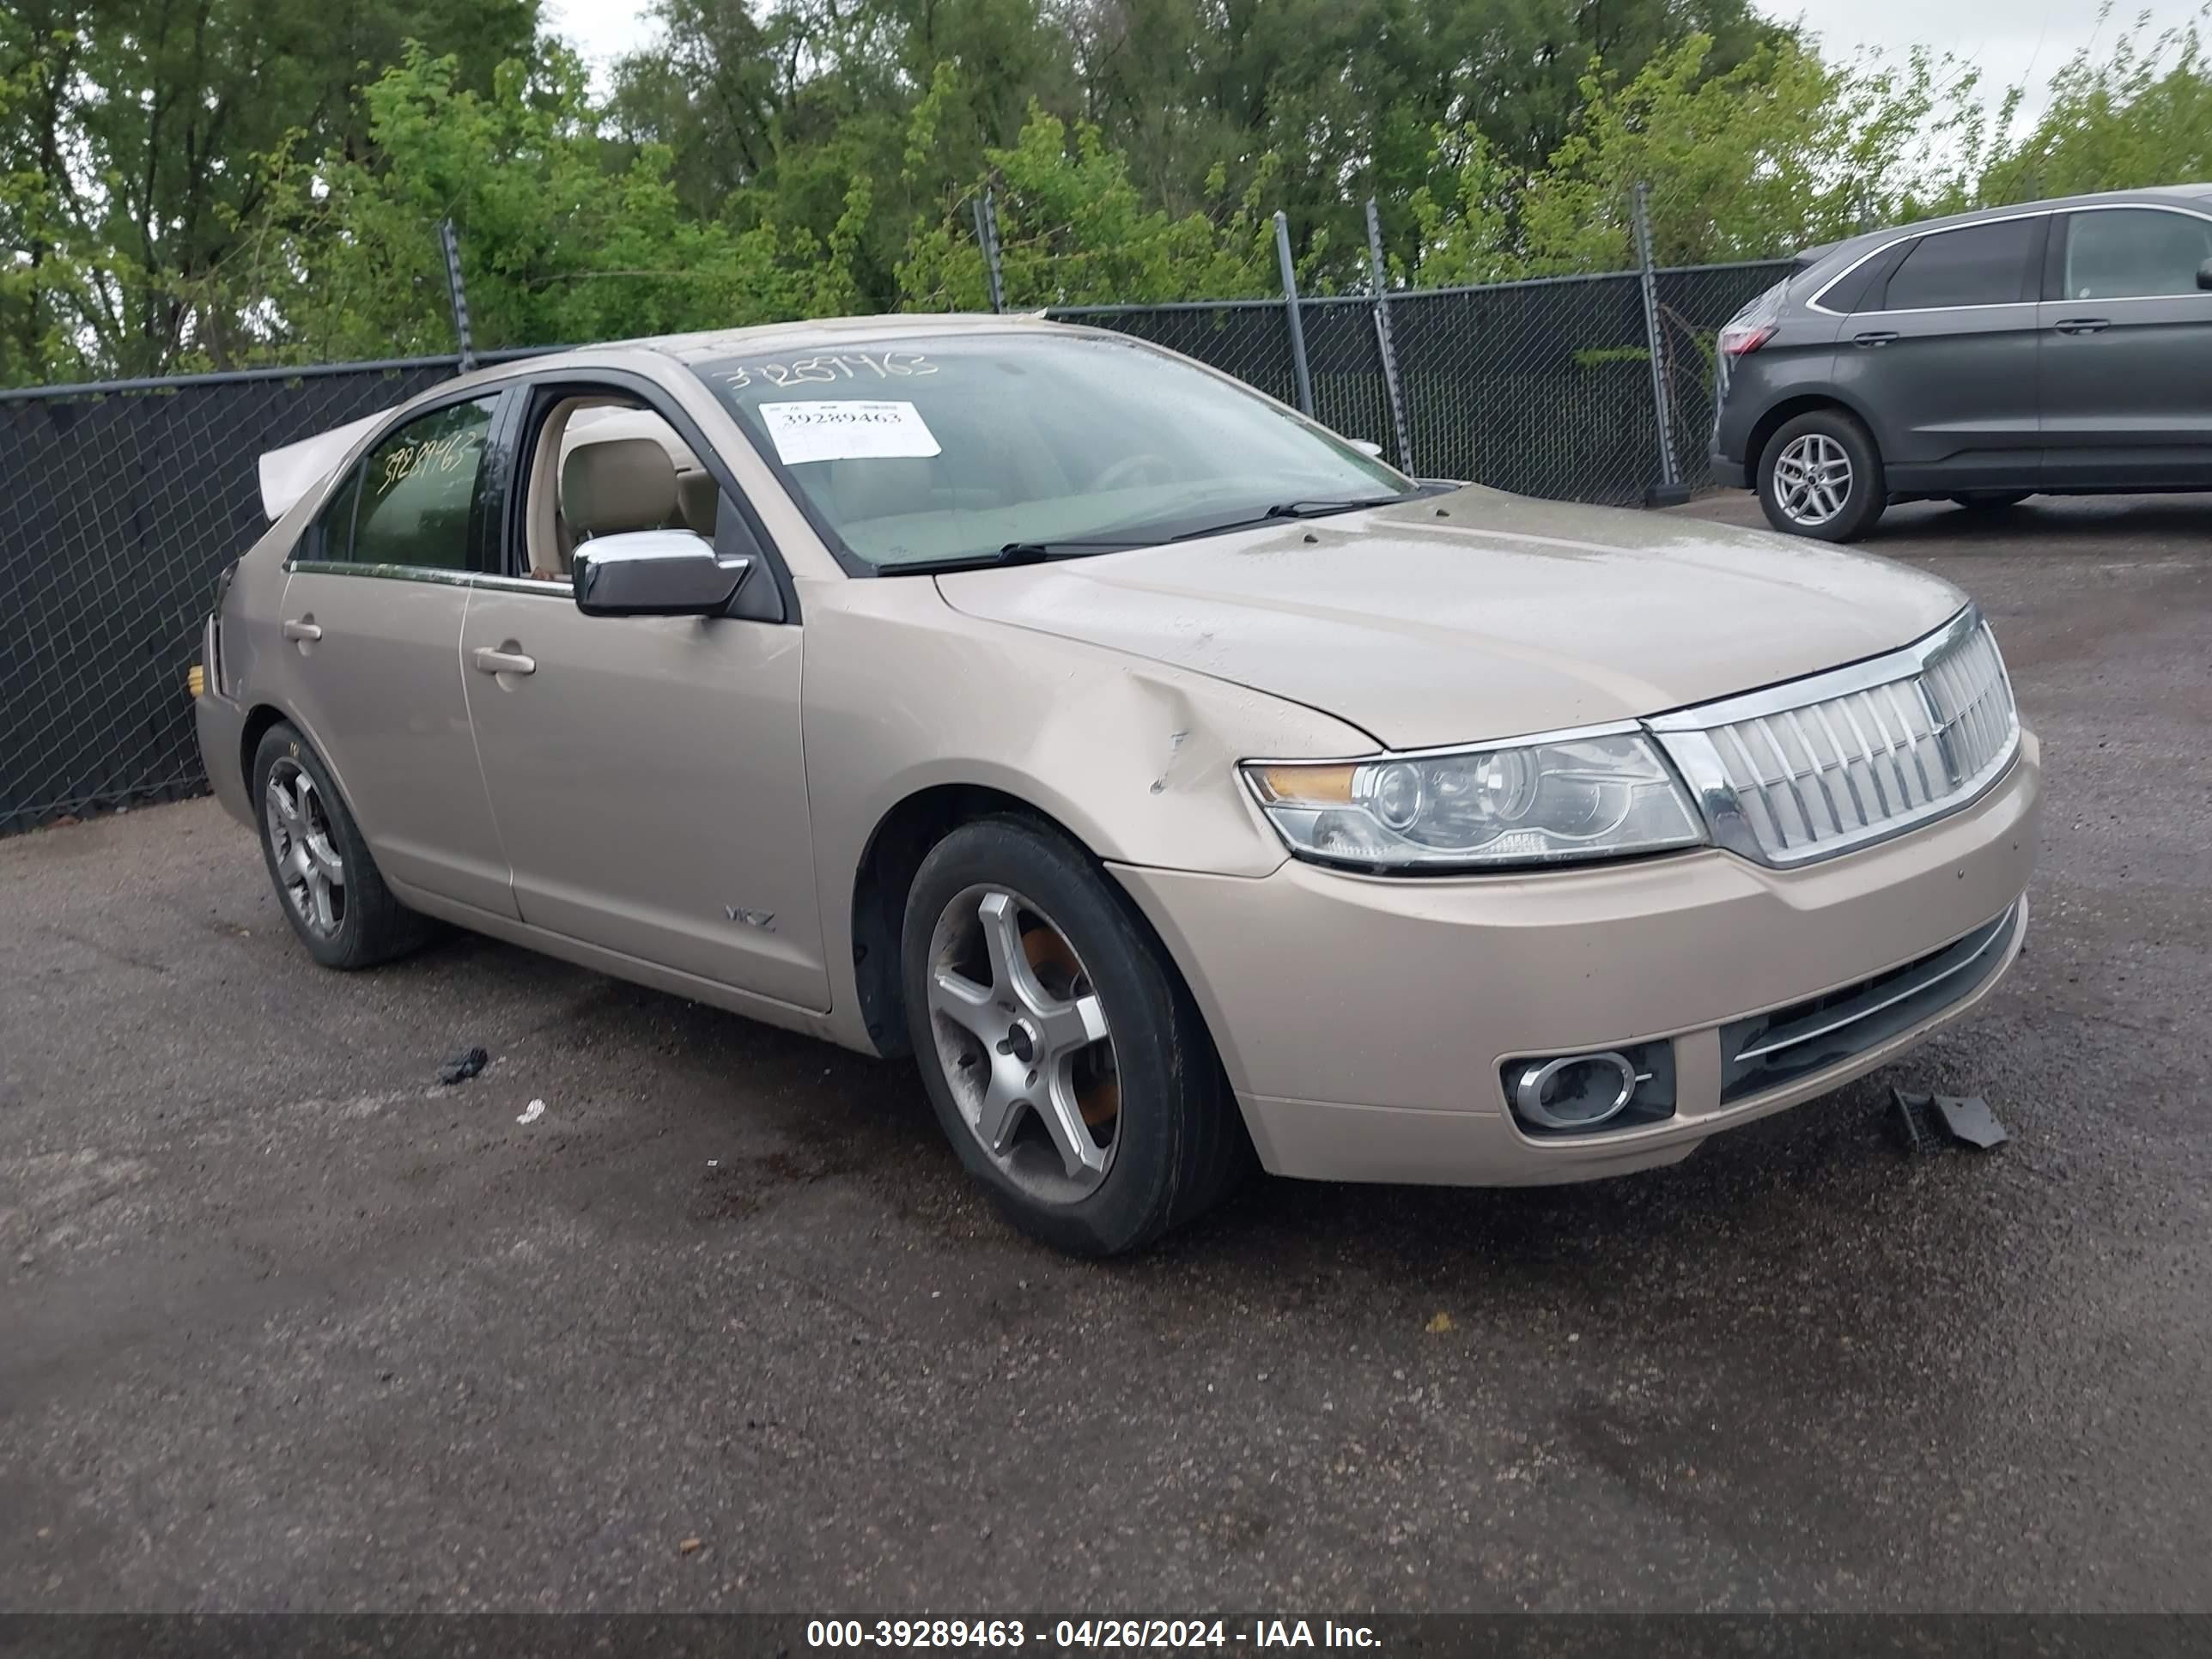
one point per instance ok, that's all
(1136, 760)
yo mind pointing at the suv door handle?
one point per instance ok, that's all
(303, 628)
(491, 660)
(2081, 325)
(1877, 338)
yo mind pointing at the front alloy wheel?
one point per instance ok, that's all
(1024, 1042)
(1063, 1054)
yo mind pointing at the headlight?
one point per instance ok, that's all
(1579, 797)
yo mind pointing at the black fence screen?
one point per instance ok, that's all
(118, 504)
(117, 510)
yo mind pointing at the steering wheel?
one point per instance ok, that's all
(1132, 469)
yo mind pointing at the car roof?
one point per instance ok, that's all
(817, 331)
(2193, 196)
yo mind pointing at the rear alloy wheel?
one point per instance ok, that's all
(331, 892)
(1065, 1057)
(310, 870)
(1820, 476)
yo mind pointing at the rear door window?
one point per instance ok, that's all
(417, 488)
(1974, 265)
(2134, 253)
(333, 537)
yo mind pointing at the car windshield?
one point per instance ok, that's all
(946, 448)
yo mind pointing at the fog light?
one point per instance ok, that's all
(1575, 1091)
(1612, 1089)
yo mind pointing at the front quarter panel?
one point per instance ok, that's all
(1134, 759)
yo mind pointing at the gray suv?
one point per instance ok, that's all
(2061, 348)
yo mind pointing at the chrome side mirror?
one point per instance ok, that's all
(655, 572)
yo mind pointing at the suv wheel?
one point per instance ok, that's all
(1821, 476)
(1067, 1063)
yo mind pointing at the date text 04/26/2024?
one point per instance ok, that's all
(1087, 1633)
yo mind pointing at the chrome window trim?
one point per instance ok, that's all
(430, 573)
(1686, 737)
(2132, 299)
(1814, 304)
(1925, 311)
(525, 585)
(397, 573)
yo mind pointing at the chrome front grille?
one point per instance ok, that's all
(1771, 1049)
(1813, 767)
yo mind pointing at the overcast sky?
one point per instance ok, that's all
(2010, 40)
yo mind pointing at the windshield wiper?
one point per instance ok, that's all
(1014, 553)
(1315, 509)
(1305, 509)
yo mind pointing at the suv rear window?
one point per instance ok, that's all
(1974, 265)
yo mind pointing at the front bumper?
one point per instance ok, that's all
(1363, 1020)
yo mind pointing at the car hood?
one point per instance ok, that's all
(1478, 614)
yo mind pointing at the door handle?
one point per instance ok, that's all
(1874, 340)
(489, 660)
(303, 628)
(2082, 324)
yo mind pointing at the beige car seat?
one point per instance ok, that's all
(617, 484)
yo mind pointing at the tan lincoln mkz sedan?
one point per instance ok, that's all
(1173, 780)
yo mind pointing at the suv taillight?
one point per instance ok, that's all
(1754, 325)
(1738, 339)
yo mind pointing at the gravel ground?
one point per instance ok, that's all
(284, 1325)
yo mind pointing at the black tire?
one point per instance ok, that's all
(1179, 1144)
(370, 925)
(1989, 500)
(1868, 493)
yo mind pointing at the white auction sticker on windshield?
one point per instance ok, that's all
(842, 429)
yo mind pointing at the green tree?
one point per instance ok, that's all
(566, 235)
(143, 125)
(1781, 152)
(777, 115)
(2141, 115)
(1074, 229)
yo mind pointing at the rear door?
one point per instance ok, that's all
(1942, 354)
(373, 610)
(2127, 349)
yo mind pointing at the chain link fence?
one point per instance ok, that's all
(119, 503)
(1543, 387)
(117, 507)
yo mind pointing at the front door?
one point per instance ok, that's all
(373, 607)
(2127, 351)
(647, 774)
